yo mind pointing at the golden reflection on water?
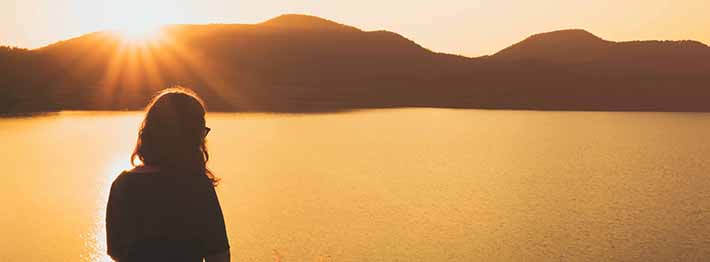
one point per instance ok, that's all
(58, 169)
(96, 240)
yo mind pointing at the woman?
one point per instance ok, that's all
(166, 208)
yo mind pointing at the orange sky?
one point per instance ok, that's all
(468, 27)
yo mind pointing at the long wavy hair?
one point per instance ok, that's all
(172, 135)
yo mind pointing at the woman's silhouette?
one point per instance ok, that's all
(166, 208)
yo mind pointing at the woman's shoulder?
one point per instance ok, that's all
(133, 173)
(145, 173)
(142, 169)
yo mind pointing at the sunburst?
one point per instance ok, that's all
(144, 34)
(146, 55)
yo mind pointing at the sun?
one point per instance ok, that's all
(138, 21)
(140, 33)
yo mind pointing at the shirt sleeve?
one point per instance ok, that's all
(115, 222)
(214, 236)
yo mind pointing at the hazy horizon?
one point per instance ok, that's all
(469, 28)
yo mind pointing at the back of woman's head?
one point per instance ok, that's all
(172, 136)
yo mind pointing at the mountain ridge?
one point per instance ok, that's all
(315, 23)
(579, 46)
(301, 63)
(306, 22)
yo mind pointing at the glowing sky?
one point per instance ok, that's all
(468, 27)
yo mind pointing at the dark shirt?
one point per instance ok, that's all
(153, 216)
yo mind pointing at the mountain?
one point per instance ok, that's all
(306, 22)
(576, 47)
(300, 63)
(557, 47)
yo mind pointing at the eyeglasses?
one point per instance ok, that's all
(207, 130)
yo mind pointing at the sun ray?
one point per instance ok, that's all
(131, 80)
(137, 68)
(97, 44)
(168, 64)
(203, 69)
(111, 77)
(94, 55)
(130, 72)
(154, 77)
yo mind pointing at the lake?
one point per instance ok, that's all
(387, 185)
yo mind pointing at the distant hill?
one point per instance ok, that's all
(565, 46)
(575, 47)
(299, 63)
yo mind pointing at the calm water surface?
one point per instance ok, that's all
(388, 185)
